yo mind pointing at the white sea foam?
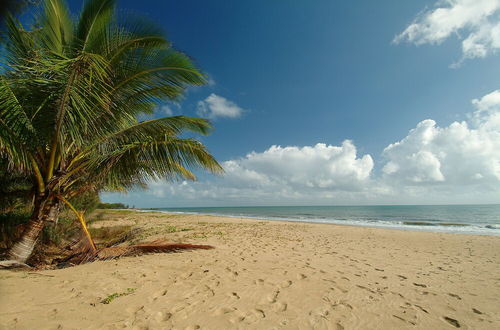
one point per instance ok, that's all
(403, 222)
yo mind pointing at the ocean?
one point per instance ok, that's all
(466, 219)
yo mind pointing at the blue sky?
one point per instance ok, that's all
(307, 72)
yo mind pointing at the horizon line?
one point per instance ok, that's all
(343, 205)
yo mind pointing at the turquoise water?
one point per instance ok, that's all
(470, 219)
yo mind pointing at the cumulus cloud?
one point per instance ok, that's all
(281, 174)
(489, 102)
(319, 167)
(458, 163)
(458, 155)
(217, 106)
(475, 22)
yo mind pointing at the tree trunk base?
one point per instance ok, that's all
(44, 210)
(10, 264)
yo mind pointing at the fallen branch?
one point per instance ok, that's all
(133, 250)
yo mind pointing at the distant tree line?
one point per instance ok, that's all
(112, 206)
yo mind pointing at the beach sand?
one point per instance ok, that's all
(267, 275)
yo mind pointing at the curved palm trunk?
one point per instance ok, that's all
(45, 209)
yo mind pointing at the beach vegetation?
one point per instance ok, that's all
(115, 295)
(143, 233)
(71, 93)
(112, 235)
(105, 206)
(14, 218)
(174, 229)
(198, 235)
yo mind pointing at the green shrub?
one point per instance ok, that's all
(64, 229)
(112, 206)
(87, 202)
(109, 236)
(10, 227)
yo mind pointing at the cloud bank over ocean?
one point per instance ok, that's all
(432, 164)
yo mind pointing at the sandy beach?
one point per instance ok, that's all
(266, 275)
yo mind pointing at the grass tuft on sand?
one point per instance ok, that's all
(115, 295)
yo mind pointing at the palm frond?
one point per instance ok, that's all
(95, 18)
(19, 45)
(167, 158)
(83, 255)
(57, 31)
(16, 129)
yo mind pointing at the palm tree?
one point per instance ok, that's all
(70, 95)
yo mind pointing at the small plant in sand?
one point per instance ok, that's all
(174, 229)
(113, 296)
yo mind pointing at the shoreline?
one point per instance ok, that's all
(445, 228)
(266, 274)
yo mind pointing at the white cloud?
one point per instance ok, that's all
(211, 81)
(475, 22)
(217, 106)
(464, 153)
(311, 167)
(489, 102)
(166, 110)
(458, 163)
(281, 174)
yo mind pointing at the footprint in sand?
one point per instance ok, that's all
(178, 308)
(420, 285)
(404, 320)
(452, 321)
(301, 276)
(477, 311)
(271, 299)
(162, 317)
(208, 290)
(237, 319)
(339, 306)
(422, 309)
(193, 327)
(254, 316)
(232, 272)
(184, 276)
(259, 312)
(234, 295)
(280, 307)
(53, 313)
(454, 296)
(285, 284)
(319, 315)
(157, 295)
(224, 310)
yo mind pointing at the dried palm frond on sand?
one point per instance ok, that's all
(86, 254)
